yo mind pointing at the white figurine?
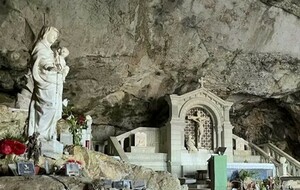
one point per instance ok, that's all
(61, 64)
(46, 103)
(200, 120)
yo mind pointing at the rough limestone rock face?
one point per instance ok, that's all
(41, 182)
(96, 166)
(59, 182)
(101, 166)
(291, 6)
(127, 55)
(12, 122)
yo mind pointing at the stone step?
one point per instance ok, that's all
(198, 186)
(147, 156)
(153, 166)
(250, 159)
(146, 160)
(184, 180)
(147, 163)
(155, 161)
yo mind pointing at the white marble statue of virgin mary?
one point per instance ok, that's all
(46, 102)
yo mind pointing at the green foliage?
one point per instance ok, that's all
(277, 181)
(67, 111)
(243, 174)
(77, 123)
(75, 129)
(19, 138)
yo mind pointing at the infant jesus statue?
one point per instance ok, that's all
(61, 64)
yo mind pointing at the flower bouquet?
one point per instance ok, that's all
(77, 123)
(8, 146)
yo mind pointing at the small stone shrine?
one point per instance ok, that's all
(198, 125)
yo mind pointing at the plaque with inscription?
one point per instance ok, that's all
(72, 169)
(122, 184)
(25, 168)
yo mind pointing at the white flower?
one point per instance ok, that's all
(88, 117)
(89, 120)
(65, 102)
(70, 117)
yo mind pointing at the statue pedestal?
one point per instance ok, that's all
(140, 149)
(52, 149)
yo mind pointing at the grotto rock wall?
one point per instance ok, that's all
(126, 55)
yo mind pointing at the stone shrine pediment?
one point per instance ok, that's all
(181, 103)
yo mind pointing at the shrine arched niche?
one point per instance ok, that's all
(199, 129)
